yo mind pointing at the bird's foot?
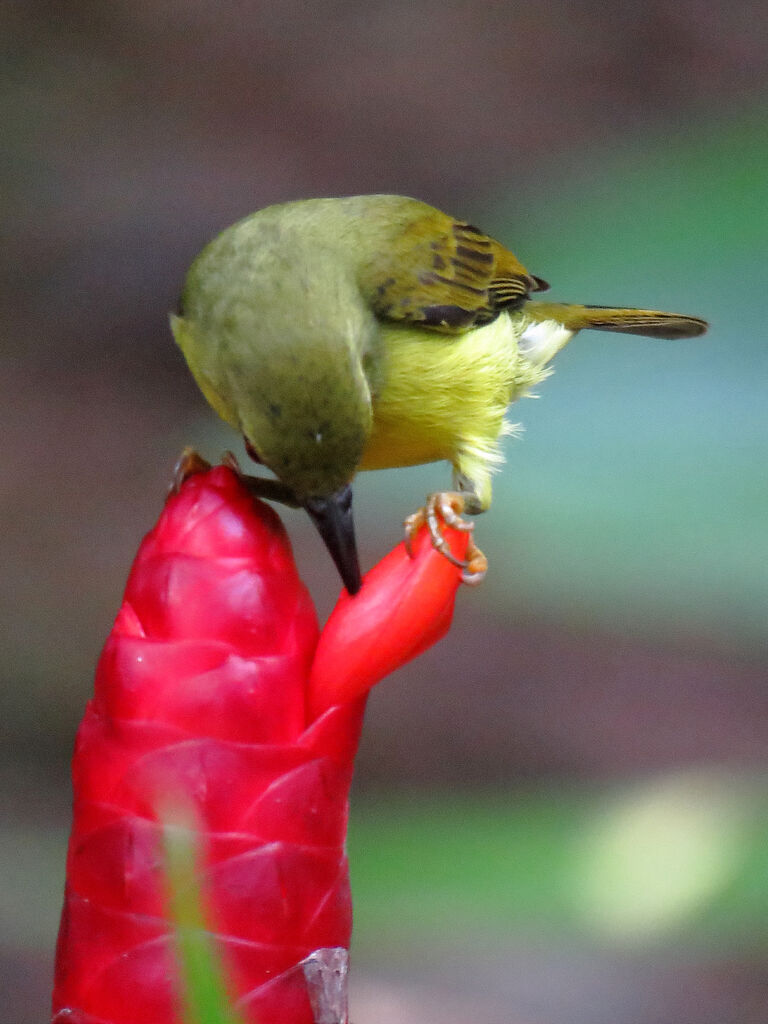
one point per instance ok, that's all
(187, 464)
(261, 486)
(446, 507)
(229, 459)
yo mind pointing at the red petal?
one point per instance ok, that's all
(405, 605)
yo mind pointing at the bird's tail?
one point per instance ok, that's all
(649, 322)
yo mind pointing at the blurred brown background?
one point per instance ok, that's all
(620, 149)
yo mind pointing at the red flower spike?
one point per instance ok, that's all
(405, 605)
(201, 697)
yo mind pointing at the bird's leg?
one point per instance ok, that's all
(187, 464)
(448, 507)
(260, 486)
(468, 489)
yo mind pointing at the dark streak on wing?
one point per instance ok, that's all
(466, 253)
(449, 276)
(448, 316)
(450, 282)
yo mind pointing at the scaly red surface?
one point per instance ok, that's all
(203, 697)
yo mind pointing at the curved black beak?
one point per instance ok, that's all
(332, 516)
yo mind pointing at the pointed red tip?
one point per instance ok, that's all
(405, 605)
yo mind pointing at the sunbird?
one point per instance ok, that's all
(369, 332)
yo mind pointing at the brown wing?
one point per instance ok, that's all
(448, 276)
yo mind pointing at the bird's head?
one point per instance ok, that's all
(311, 432)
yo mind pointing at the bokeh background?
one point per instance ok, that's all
(561, 813)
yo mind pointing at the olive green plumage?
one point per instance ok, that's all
(373, 331)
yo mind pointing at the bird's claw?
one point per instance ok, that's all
(187, 464)
(229, 459)
(260, 486)
(446, 507)
(476, 566)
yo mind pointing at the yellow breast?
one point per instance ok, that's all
(440, 396)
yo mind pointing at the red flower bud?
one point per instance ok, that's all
(404, 606)
(201, 698)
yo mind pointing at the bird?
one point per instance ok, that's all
(368, 332)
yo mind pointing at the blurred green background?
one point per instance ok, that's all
(561, 813)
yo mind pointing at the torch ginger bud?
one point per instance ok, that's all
(212, 691)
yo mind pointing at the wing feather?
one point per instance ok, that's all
(448, 276)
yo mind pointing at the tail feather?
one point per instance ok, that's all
(650, 323)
